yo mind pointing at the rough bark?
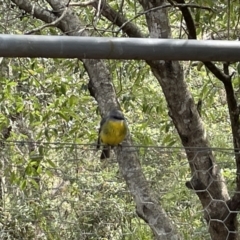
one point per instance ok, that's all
(101, 88)
(206, 180)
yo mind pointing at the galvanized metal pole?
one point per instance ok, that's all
(118, 48)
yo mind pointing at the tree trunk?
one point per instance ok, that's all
(206, 178)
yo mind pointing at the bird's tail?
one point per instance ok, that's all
(105, 152)
(98, 142)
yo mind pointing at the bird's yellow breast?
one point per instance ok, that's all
(113, 132)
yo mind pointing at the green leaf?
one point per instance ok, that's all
(41, 150)
(51, 163)
(73, 100)
(63, 89)
(23, 184)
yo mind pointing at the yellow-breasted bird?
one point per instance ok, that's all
(112, 131)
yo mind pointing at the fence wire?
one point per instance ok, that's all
(64, 191)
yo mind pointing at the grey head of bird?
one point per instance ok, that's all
(116, 114)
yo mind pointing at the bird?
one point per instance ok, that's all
(112, 131)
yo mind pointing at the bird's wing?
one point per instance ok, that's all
(104, 119)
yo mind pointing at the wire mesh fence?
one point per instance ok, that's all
(64, 191)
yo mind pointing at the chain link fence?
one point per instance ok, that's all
(64, 191)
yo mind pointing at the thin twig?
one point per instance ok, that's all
(82, 4)
(97, 13)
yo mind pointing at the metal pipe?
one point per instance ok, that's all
(118, 48)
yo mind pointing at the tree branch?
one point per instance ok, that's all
(188, 19)
(49, 24)
(217, 72)
(35, 10)
(233, 108)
